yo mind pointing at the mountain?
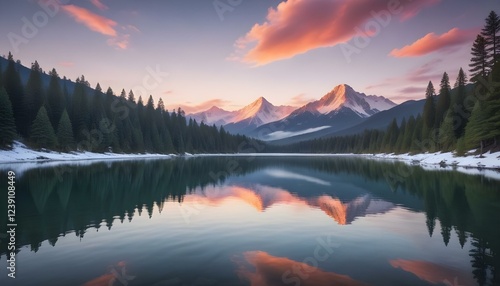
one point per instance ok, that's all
(339, 109)
(246, 119)
(214, 115)
(378, 121)
(345, 96)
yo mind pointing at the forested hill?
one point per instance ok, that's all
(46, 111)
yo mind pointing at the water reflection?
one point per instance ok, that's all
(116, 275)
(433, 273)
(54, 203)
(263, 197)
(262, 269)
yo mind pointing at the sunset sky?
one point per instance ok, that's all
(230, 52)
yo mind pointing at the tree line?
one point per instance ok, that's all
(463, 118)
(52, 117)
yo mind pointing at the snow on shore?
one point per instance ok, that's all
(20, 153)
(471, 164)
(489, 160)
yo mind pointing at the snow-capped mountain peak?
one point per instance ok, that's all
(259, 112)
(344, 96)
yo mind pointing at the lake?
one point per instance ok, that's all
(252, 221)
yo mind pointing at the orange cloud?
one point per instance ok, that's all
(433, 43)
(298, 26)
(67, 64)
(93, 21)
(100, 24)
(99, 4)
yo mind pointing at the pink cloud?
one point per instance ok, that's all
(120, 41)
(99, 5)
(100, 25)
(67, 64)
(412, 84)
(300, 100)
(298, 26)
(193, 108)
(92, 21)
(431, 43)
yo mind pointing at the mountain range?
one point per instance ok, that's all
(244, 120)
(340, 111)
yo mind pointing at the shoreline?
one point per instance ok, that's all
(21, 154)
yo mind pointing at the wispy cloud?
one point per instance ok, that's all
(299, 100)
(100, 24)
(99, 5)
(431, 43)
(415, 81)
(193, 108)
(413, 89)
(91, 20)
(120, 42)
(298, 26)
(67, 64)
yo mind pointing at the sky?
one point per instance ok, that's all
(199, 53)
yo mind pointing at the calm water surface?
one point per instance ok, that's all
(253, 221)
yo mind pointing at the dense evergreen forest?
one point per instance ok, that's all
(49, 116)
(465, 118)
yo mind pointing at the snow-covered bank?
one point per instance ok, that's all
(20, 153)
(488, 166)
(22, 158)
(489, 160)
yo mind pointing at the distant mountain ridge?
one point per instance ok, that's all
(257, 113)
(340, 108)
(344, 95)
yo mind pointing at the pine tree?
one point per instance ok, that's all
(447, 138)
(131, 96)
(429, 113)
(42, 134)
(34, 95)
(459, 111)
(56, 101)
(390, 137)
(477, 130)
(491, 37)
(97, 112)
(399, 142)
(161, 105)
(1, 75)
(416, 137)
(444, 100)
(14, 88)
(65, 132)
(479, 60)
(79, 111)
(410, 127)
(7, 123)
